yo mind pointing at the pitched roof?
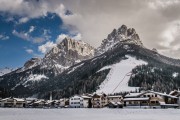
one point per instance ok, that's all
(136, 99)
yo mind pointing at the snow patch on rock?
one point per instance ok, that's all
(36, 77)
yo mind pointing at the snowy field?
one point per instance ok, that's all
(89, 114)
(119, 75)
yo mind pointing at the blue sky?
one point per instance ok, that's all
(20, 41)
(29, 28)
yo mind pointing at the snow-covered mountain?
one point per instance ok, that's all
(72, 68)
(66, 54)
(62, 56)
(33, 62)
(120, 35)
(5, 70)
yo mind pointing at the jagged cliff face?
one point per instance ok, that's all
(117, 36)
(66, 54)
(33, 62)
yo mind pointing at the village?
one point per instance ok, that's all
(144, 99)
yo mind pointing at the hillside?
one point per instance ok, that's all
(125, 66)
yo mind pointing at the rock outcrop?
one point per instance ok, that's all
(66, 54)
(117, 36)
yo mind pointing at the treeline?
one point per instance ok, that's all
(162, 78)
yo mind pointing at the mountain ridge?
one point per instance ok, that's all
(83, 76)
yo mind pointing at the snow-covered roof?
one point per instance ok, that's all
(175, 92)
(39, 101)
(6, 99)
(19, 100)
(119, 103)
(76, 96)
(136, 99)
(115, 96)
(132, 95)
(84, 96)
(31, 99)
(162, 94)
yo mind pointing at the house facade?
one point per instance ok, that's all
(76, 102)
(86, 101)
(13, 102)
(99, 100)
(151, 99)
(64, 102)
(115, 101)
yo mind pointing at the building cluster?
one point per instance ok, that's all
(145, 99)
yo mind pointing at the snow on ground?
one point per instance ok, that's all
(175, 74)
(104, 68)
(118, 77)
(4, 71)
(88, 114)
(36, 77)
(75, 68)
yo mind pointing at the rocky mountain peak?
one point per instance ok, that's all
(121, 35)
(123, 30)
(67, 53)
(32, 62)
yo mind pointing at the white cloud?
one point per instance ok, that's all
(28, 9)
(30, 51)
(158, 4)
(28, 37)
(38, 40)
(150, 18)
(23, 20)
(62, 36)
(46, 47)
(77, 37)
(170, 34)
(22, 35)
(32, 28)
(3, 37)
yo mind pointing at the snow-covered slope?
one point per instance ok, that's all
(118, 77)
(5, 70)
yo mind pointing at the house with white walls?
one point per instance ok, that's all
(76, 101)
(64, 102)
(86, 101)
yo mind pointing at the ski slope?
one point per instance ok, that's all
(118, 77)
